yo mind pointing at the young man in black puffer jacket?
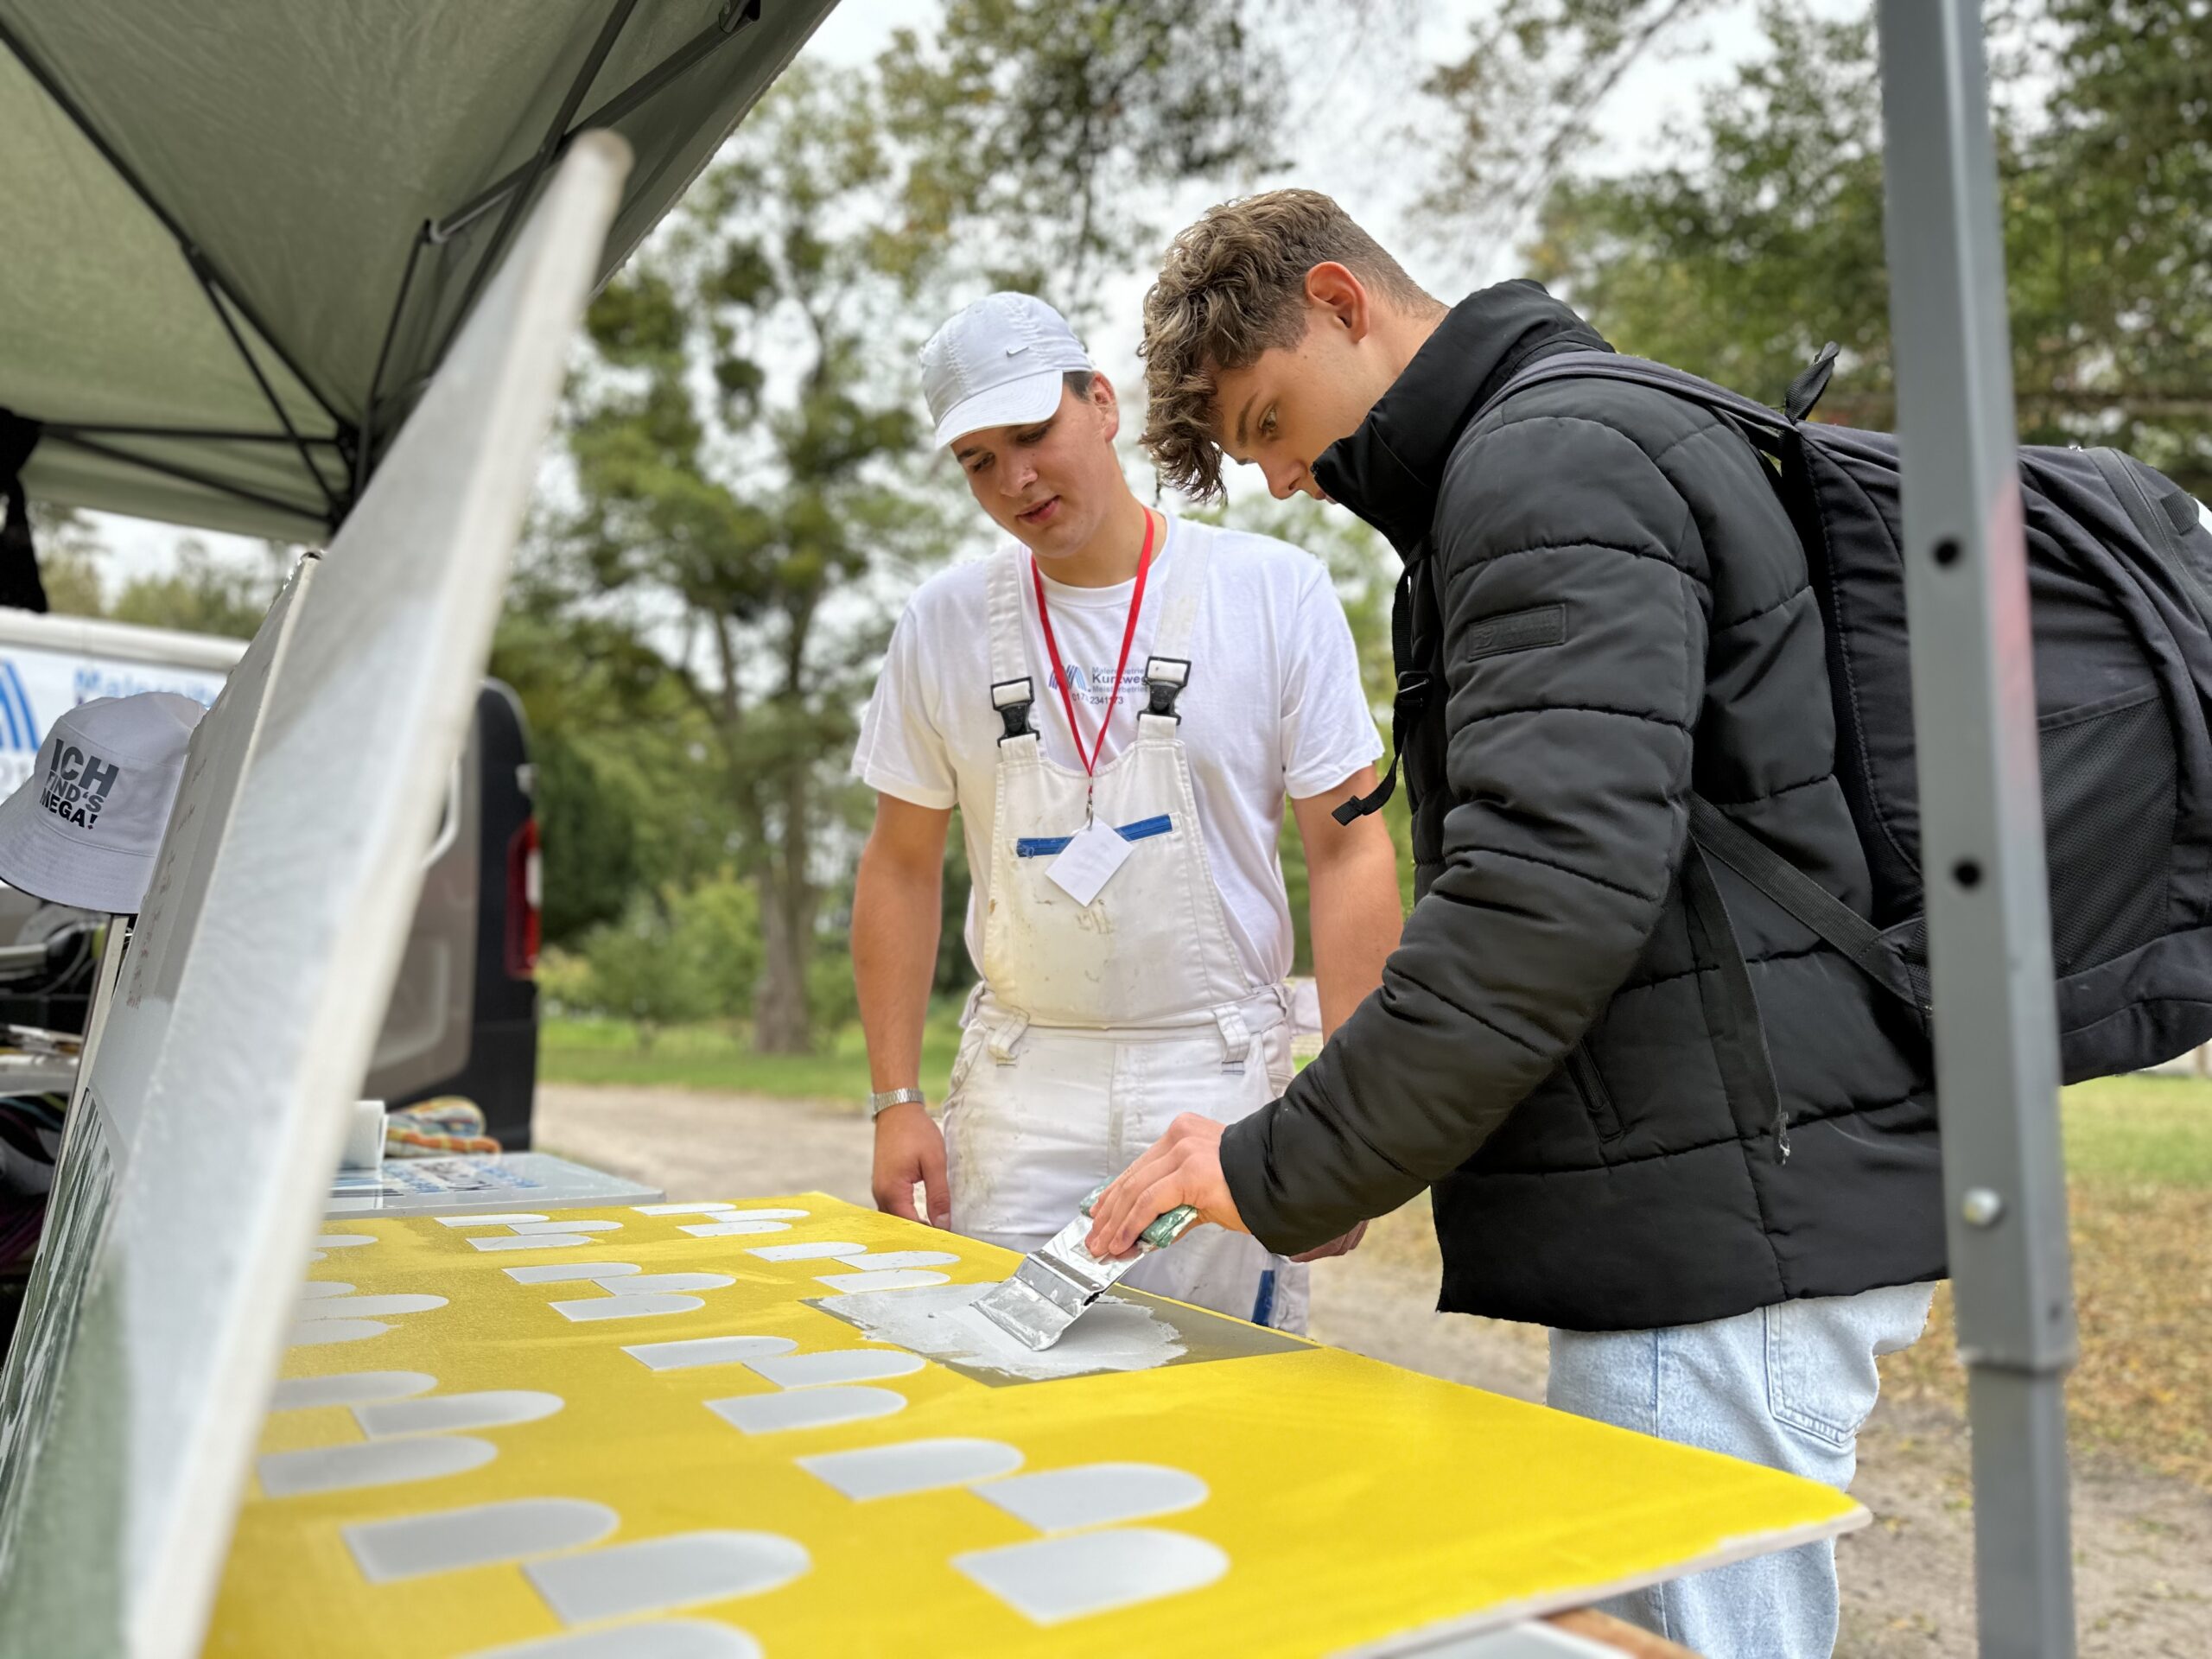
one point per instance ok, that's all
(1618, 616)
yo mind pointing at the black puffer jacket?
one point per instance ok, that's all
(1622, 617)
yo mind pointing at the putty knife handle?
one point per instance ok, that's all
(1163, 1232)
(1169, 1228)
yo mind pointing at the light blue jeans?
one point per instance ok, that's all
(1787, 1386)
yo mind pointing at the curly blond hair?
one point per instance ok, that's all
(1233, 286)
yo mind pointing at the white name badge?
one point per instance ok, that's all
(1088, 862)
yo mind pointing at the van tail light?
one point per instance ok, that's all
(526, 894)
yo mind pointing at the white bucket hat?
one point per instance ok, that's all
(83, 828)
(999, 362)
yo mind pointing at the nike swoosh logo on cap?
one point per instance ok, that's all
(1013, 350)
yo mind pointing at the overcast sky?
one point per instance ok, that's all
(1342, 101)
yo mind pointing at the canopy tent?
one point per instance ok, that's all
(238, 238)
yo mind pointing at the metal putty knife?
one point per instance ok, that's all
(1061, 1278)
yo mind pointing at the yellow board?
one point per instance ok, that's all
(1302, 1501)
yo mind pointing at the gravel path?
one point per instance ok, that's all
(2142, 1542)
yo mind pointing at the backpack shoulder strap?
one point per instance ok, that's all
(1406, 706)
(2160, 530)
(1805, 899)
(1637, 371)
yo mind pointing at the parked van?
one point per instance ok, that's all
(463, 1018)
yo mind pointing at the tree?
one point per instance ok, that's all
(1763, 241)
(201, 593)
(636, 972)
(70, 554)
(204, 593)
(671, 957)
(747, 464)
(618, 809)
(587, 837)
(1765, 238)
(1519, 105)
(1049, 122)
(954, 972)
(2111, 204)
(718, 941)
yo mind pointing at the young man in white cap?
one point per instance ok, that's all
(83, 828)
(1118, 703)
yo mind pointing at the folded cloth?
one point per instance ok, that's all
(433, 1128)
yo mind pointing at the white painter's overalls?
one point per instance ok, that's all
(1097, 1026)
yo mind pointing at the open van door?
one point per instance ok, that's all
(463, 1018)
(464, 1014)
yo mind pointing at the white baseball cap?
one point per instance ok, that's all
(83, 828)
(1000, 362)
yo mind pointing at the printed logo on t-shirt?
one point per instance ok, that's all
(78, 783)
(1089, 685)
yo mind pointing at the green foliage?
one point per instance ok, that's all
(1056, 123)
(2148, 1130)
(69, 555)
(955, 972)
(1738, 263)
(671, 959)
(638, 974)
(716, 940)
(618, 806)
(200, 594)
(1365, 572)
(203, 595)
(588, 838)
(1519, 102)
(564, 986)
(832, 996)
(2110, 211)
(587, 1050)
(748, 509)
(1765, 238)
(73, 582)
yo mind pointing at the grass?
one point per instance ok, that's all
(721, 1058)
(2138, 1154)
(2146, 1129)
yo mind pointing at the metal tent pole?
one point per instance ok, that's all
(1975, 723)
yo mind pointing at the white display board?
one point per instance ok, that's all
(64, 1362)
(196, 1175)
(513, 1181)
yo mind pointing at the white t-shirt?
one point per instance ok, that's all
(1273, 708)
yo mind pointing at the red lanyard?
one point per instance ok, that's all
(1128, 632)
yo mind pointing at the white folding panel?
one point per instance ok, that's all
(246, 1011)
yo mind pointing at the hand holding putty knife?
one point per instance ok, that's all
(1058, 1279)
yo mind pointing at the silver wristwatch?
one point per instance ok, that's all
(883, 1099)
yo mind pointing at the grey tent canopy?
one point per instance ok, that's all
(236, 239)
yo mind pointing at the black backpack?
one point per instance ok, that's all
(2120, 582)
